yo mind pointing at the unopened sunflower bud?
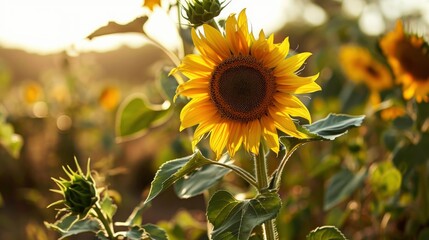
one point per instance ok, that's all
(80, 193)
(199, 12)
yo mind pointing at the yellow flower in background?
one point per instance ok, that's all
(242, 88)
(32, 92)
(360, 66)
(409, 58)
(110, 97)
(151, 4)
(392, 112)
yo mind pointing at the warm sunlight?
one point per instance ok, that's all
(48, 26)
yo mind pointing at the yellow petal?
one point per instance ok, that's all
(270, 134)
(235, 137)
(292, 106)
(219, 138)
(196, 111)
(216, 42)
(253, 136)
(291, 64)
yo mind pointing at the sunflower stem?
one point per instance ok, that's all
(280, 169)
(107, 226)
(240, 172)
(262, 180)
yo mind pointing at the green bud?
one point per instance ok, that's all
(81, 195)
(199, 12)
(79, 192)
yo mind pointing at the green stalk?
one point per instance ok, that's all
(107, 226)
(239, 171)
(280, 169)
(262, 180)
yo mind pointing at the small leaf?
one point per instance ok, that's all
(201, 179)
(155, 233)
(136, 116)
(173, 170)
(135, 26)
(341, 186)
(329, 128)
(233, 219)
(11, 141)
(385, 179)
(326, 233)
(108, 207)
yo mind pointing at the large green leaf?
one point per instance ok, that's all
(326, 233)
(329, 128)
(341, 186)
(71, 225)
(135, 116)
(233, 219)
(173, 170)
(201, 179)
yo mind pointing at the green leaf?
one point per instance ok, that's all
(173, 170)
(202, 179)
(108, 207)
(334, 125)
(329, 128)
(168, 84)
(385, 179)
(71, 225)
(11, 141)
(233, 219)
(326, 164)
(403, 122)
(135, 116)
(155, 232)
(341, 186)
(326, 233)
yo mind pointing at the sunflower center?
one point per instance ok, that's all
(372, 71)
(414, 61)
(242, 88)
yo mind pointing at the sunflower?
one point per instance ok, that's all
(360, 66)
(409, 58)
(242, 88)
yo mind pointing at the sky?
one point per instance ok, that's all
(48, 26)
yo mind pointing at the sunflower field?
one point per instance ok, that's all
(216, 120)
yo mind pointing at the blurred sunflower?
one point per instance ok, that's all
(408, 55)
(109, 97)
(392, 112)
(32, 92)
(360, 66)
(242, 88)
